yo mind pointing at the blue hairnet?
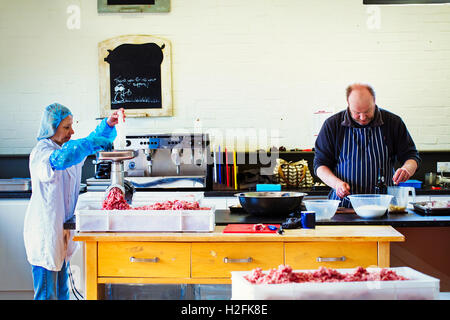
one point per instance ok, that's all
(51, 118)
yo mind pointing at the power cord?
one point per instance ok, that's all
(75, 292)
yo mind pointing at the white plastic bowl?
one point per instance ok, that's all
(370, 205)
(325, 209)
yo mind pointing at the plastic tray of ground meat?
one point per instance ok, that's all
(92, 218)
(419, 286)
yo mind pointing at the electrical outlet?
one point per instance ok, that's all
(443, 167)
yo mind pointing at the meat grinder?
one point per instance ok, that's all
(117, 159)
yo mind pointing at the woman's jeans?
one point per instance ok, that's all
(51, 285)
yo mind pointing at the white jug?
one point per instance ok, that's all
(400, 198)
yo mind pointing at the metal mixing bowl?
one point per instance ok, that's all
(270, 203)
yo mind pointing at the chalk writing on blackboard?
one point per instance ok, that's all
(135, 76)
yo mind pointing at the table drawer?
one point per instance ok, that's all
(219, 259)
(143, 259)
(312, 255)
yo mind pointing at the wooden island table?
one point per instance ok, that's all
(208, 258)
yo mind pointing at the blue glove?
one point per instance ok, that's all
(74, 151)
(104, 130)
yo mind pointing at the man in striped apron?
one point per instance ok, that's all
(354, 143)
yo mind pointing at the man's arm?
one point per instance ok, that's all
(405, 172)
(327, 176)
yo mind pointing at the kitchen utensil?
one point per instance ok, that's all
(325, 209)
(270, 203)
(234, 170)
(227, 168)
(215, 164)
(400, 197)
(370, 205)
(117, 158)
(220, 161)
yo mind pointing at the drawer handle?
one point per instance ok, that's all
(322, 259)
(133, 259)
(228, 260)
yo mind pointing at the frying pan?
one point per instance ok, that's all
(270, 203)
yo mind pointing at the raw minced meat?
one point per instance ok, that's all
(116, 201)
(284, 274)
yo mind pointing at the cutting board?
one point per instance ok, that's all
(248, 228)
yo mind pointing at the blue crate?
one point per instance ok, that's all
(411, 183)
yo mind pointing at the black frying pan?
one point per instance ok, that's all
(270, 203)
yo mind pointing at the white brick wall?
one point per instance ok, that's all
(266, 65)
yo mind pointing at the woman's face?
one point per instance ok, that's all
(64, 131)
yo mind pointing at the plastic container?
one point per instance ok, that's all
(15, 184)
(411, 183)
(90, 217)
(370, 205)
(145, 220)
(418, 287)
(268, 187)
(400, 197)
(325, 209)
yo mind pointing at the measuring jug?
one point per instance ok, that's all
(400, 200)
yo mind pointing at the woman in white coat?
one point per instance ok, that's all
(55, 168)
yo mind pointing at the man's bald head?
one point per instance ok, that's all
(361, 103)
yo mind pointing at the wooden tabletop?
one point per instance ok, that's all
(320, 233)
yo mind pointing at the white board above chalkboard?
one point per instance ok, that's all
(133, 6)
(135, 74)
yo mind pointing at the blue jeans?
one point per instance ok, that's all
(51, 285)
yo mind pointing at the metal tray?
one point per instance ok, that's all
(425, 209)
(15, 184)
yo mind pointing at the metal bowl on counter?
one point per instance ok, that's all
(270, 203)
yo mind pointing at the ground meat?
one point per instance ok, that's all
(173, 205)
(116, 201)
(284, 274)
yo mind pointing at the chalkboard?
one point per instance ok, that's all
(135, 76)
(118, 2)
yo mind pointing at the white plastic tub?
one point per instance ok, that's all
(419, 287)
(145, 220)
(90, 217)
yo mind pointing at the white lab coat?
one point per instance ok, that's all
(53, 200)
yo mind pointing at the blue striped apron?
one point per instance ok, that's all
(363, 151)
